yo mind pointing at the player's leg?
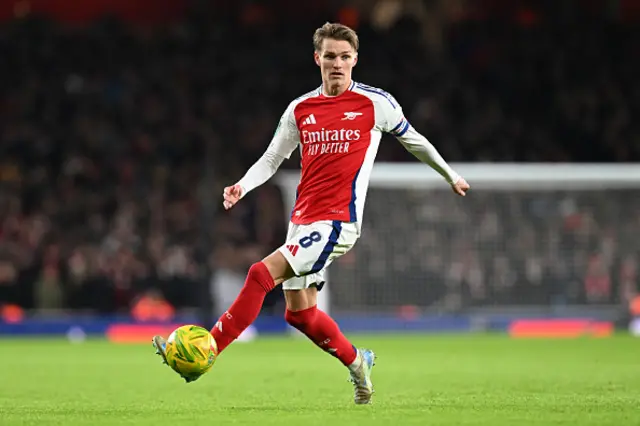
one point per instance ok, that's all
(305, 245)
(318, 245)
(301, 295)
(300, 300)
(261, 279)
(302, 313)
(307, 250)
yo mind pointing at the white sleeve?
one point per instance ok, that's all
(424, 151)
(285, 139)
(397, 125)
(260, 172)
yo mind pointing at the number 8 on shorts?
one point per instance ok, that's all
(314, 237)
(311, 248)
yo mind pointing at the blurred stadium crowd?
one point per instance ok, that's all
(116, 141)
(497, 248)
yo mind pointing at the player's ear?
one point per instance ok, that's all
(316, 57)
(355, 60)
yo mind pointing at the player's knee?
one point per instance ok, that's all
(257, 269)
(278, 267)
(259, 275)
(299, 319)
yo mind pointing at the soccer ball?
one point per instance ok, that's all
(191, 351)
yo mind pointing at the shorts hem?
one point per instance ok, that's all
(289, 258)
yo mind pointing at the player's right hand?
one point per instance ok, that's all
(231, 195)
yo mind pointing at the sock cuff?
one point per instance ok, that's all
(260, 273)
(303, 313)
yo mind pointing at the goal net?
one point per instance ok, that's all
(526, 235)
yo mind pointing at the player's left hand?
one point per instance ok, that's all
(460, 186)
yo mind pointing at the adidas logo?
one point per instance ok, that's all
(293, 248)
(309, 120)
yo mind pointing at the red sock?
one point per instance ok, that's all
(245, 309)
(324, 332)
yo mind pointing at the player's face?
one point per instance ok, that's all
(336, 60)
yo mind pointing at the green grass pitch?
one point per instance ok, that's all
(420, 380)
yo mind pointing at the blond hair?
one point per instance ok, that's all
(336, 32)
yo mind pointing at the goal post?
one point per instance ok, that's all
(543, 234)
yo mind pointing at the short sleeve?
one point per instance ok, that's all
(286, 137)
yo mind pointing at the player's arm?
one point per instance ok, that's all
(285, 139)
(423, 150)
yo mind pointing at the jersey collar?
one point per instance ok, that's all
(350, 88)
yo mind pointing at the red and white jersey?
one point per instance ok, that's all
(338, 139)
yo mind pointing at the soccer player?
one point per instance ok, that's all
(337, 128)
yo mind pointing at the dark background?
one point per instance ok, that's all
(121, 122)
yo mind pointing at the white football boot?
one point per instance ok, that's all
(361, 376)
(160, 345)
